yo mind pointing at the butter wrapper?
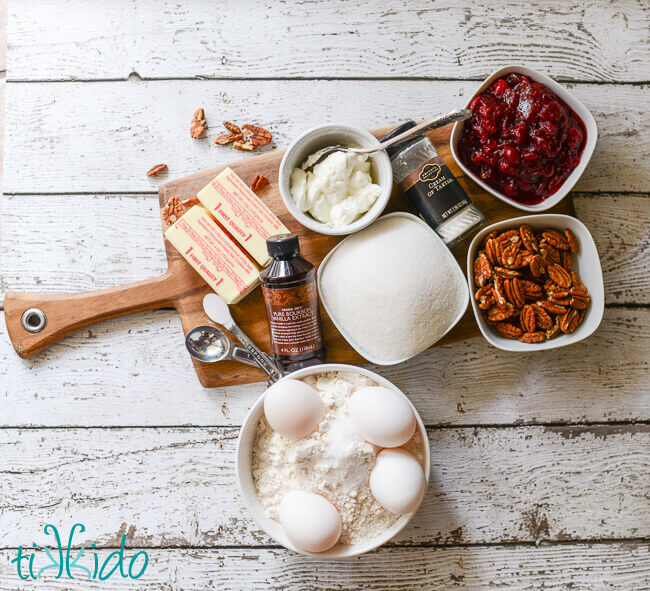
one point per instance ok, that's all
(213, 255)
(242, 213)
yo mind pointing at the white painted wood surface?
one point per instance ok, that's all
(592, 40)
(557, 567)
(135, 371)
(551, 447)
(104, 136)
(177, 487)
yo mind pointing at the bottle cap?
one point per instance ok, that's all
(394, 149)
(283, 245)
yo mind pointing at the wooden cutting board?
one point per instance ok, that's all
(182, 288)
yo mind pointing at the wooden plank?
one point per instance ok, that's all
(124, 128)
(619, 565)
(594, 41)
(135, 371)
(177, 487)
(92, 251)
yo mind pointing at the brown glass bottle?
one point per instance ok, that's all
(291, 298)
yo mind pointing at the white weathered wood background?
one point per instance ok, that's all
(540, 462)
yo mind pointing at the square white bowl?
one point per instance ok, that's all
(586, 262)
(323, 268)
(244, 469)
(578, 108)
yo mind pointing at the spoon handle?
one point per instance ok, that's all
(260, 358)
(421, 128)
(242, 355)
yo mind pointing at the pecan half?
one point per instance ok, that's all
(191, 201)
(243, 146)
(256, 135)
(552, 332)
(537, 265)
(488, 237)
(527, 318)
(514, 292)
(197, 127)
(156, 169)
(569, 321)
(566, 260)
(173, 211)
(571, 239)
(550, 253)
(580, 298)
(532, 337)
(506, 273)
(532, 290)
(575, 278)
(491, 251)
(556, 239)
(528, 238)
(511, 256)
(551, 307)
(544, 321)
(559, 275)
(231, 127)
(497, 314)
(485, 297)
(482, 269)
(258, 182)
(507, 330)
(227, 138)
(499, 295)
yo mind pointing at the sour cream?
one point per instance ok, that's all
(337, 191)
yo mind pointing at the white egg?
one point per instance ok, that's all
(310, 521)
(397, 481)
(382, 416)
(293, 408)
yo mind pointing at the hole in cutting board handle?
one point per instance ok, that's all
(34, 320)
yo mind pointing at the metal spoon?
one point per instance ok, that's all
(419, 129)
(218, 311)
(209, 344)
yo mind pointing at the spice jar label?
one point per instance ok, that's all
(294, 319)
(434, 191)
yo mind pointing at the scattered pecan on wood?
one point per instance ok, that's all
(173, 211)
(191, 201)
(156, 169)
(258, 182)
(526, 286)
(197, 127)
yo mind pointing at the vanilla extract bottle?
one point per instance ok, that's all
(291, 298)
(431, 187)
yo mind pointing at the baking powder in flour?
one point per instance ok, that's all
(334, 461)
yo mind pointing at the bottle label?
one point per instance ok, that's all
(435, 192)
(294, 320)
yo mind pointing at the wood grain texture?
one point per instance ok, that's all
(134, 371)
(92, 252)
(557, 567)
(177, 487)
(89, 40)
(127, 127)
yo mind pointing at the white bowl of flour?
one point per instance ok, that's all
(332, 461)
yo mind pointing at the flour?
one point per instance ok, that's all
(334, 461)
(393, 288)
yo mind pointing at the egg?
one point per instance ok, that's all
(310, 521)
(397, 481)
(293, 408)
(382, 416)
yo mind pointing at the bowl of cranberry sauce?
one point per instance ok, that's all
(528, 140)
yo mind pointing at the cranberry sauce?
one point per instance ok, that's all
(523, 140)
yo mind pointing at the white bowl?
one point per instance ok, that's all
(585, 262)
(328, 135)
(578, 108)
(358, 348)
(244, 453)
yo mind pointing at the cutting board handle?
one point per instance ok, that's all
(67, 313)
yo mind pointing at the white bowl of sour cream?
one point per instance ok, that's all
(341, 185)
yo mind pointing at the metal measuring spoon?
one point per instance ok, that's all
(219, 312)
(209, 344)
(421, 128)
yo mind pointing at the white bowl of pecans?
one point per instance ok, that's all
(536, 282)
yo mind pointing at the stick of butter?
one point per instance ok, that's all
(241, 213)
(213, 255)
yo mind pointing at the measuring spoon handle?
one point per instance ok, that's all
(260, 358)
(242, 355)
